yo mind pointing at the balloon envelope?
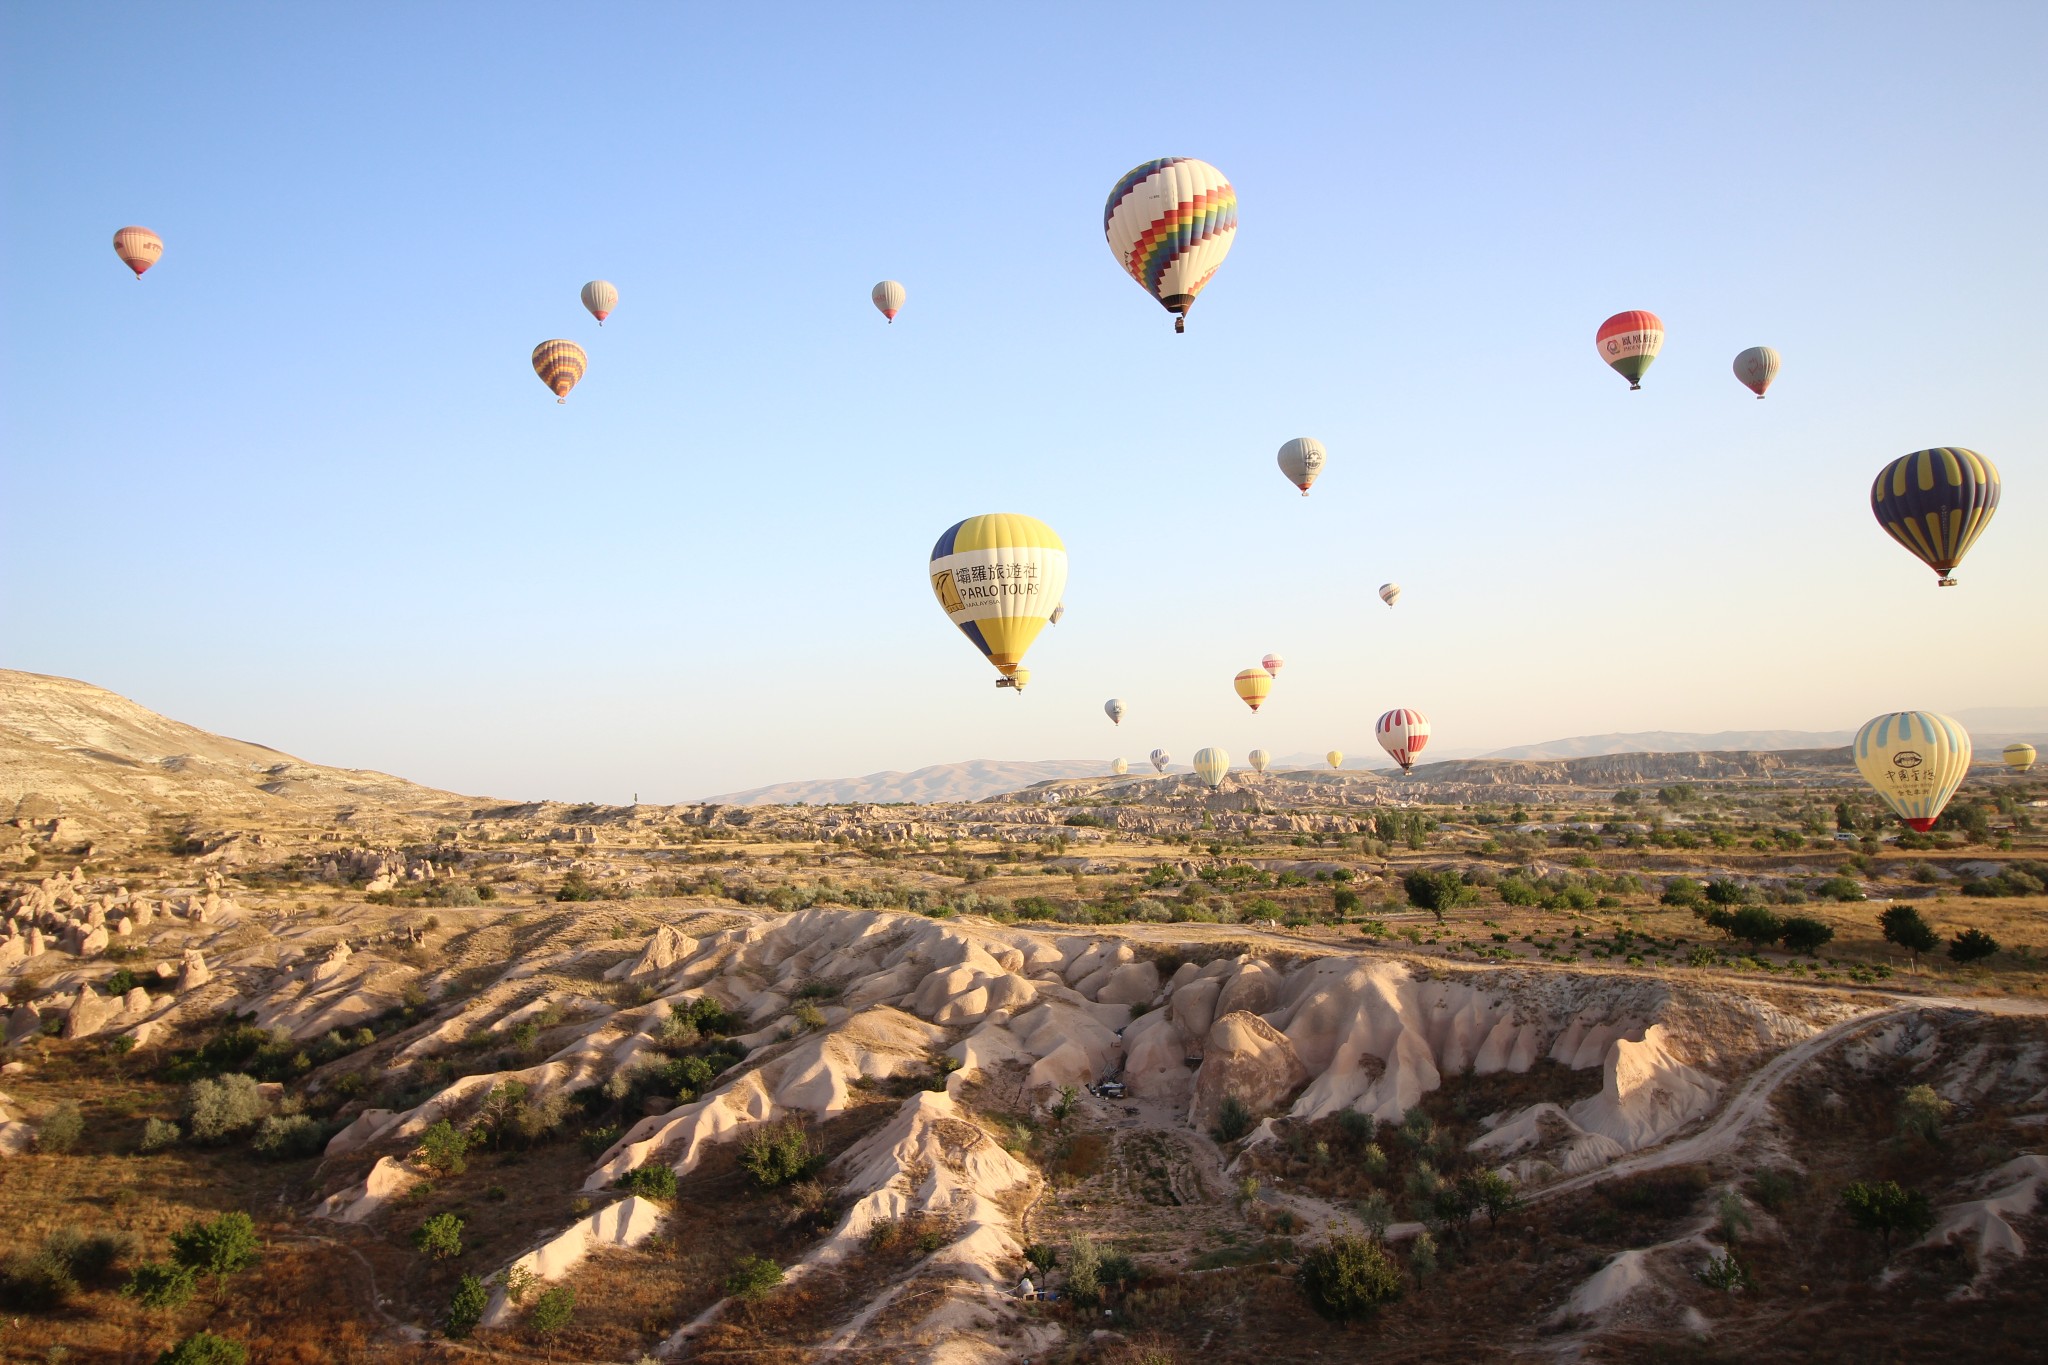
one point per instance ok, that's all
(1402, 733)
(2019, 757)
(1254, 685)
(1259, 758)
(1211, 765)
(1170, 223)
(998, 577)
(1390, 593)
(1273, 663)
(1936, 503)
(1160, 758)
(1119, 767)
(1335, 758)
(1302, 460)
(560, 364)
(1629, 342)
(888, 296)
(600, 298)
(1915, 760)
(138, 248)
(1114, 709)
(1756, 368)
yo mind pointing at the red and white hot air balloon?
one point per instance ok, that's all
(138, 248)
(1403, 733)
(600, 297)
(1273, 663)
(889, 297)
(1629, 342)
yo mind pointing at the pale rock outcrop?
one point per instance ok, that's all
(1622, 1277)
(194, 972)
(25, 1022)
(1646, 1094)
(663, 952)
(1985, 1226)
(136, 1004)
(1155, 1058)
(89, 1013)
(1131, 983)
(1193, 1003)
(1254, 989)
(1246, 1058)
(386, 1181)
(35, 947)
(363, 1130)
(627, 1223)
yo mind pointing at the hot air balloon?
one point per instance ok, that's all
(1273, 663)
(1160, 758)
(600, 298)
(1170, 223)
(1629, 342)
(138, 248)
(1335, 758)
(1119, 767)
(1057, 613)
(1390, 593)
(1253, 685)
(1211, 765)
(1259, 758)
(1114, 709)
(1756, 368)
(1936, 503)
(1916, 760)
(2019, 757)
(1402, 733)
(1302, 460)
(998, 576)
(888, 296)
(559, 364)
(1018, 679)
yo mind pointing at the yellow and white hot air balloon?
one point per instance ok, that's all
(889, 297)
(1253, 686)
(138, 248)
(1390, 593)
(998, 577)
(2019, 757)
(1259, 758)
(1335, 758)
(1018, 680)
(1160, 758)
(1302, 460)
(1114, 709)
(1118, 767)
(1170, 223)
(600, 297)
(560, 364)
(1915, 760)
(1211, 765)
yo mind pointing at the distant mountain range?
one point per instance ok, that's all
(969, 781)
(1986, 724)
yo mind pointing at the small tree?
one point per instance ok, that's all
(1233, 1120)
(1903, 926)
(1972, 945)
(158, 1134)
(777, 1154)
(1921, 1112)
(1888, 1208)
(1684, 892)
(655, 1180)
(161, 1284)
(1348, 1278)
(1042, 1256)
(752, 1278)
(443, 1149)
(1084, 1271)
(220, 1107)
(1376, 1211)
(1727, 891)
(61, 1129)
(1756, 926)
(552, 1311)
(1436, 892)
(576, 887)
(1491, 1192)
(1804, 934)
(440, 1237)
(205, 1348)
(466, 1308)
(219, 1247)
(1422, 1254)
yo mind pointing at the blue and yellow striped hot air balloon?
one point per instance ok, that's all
(999, 577)
(1915, 760)
(1936, 503)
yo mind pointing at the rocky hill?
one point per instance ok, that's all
(970, 781)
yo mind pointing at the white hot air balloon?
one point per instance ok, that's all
(1119, 767)
(1301, 460)
(1390, 593)
(1273, 663)
(888, 296)
(1114, 709)
(1756, 368)
(1211, 765)
(1160, 758)
(600, 297)
(1259, 758)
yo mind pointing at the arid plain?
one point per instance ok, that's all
(1596, 1058)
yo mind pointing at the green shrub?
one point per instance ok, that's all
(1436, 892)
(41, 1280)
(776, 1154)
(552, 1311)
(466, 1307)
(1839, 889)
(1804, 934)
(220, 1107)
(440, 1237)
(1683, 892)
(442, 1149)
(1903, 926)
(1972, 945)
(1084, 1271)
(1725, 1272)
(1348, 1278)
(161, 1284)
(205, 1348)
(652, 1181)
(576, 887)
(1888, 1209)
(752, 1278)
(218, 1247)
(1233, 1120)
(158, 1134)
(61, 1129)
(289, 1137)
(1515, 889)
(1727, 891)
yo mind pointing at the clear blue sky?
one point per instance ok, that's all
(301, 486)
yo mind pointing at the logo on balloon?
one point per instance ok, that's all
(1906, 758)
(948, 594)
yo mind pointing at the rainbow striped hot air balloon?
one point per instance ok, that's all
(1916, 760)
(600, 297)
(998, 577)
(1253, 686)
(138, 248)
(560, 364)
(1936, 503)
(1402, 733)
(2019, 757)
(1629, 342)
(1170, 223)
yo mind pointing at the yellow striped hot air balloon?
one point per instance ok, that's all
(138, 248)
(1253, 686)
(1915, 760)
(1335, 758)
(560, 364)
(998, 577)
(1258, 758)
(2019, 757)
(1019, 679)
(1212, 765)
(1936, 503)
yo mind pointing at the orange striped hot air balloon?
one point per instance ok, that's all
(138, 248)
(1254, 685)
(560, 364)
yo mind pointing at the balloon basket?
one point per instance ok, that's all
(1944, 582)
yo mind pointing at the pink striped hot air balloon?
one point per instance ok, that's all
(1403, 733)
(1273, 663)
(138, 248)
